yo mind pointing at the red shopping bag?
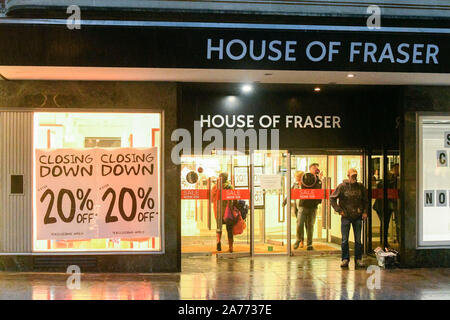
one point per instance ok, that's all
(240, 225)
(230, 215)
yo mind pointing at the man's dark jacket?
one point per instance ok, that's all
(352, 199)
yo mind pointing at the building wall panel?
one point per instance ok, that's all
(16, 143)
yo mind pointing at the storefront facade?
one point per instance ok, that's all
(164, 75)
(329, 128)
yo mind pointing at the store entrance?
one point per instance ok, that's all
(261, 182)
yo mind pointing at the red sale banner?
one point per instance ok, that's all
(378, 194)
(307, 194)
(236, 194)
(194, 194)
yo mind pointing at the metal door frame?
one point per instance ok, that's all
(384, 153)
(288, 207)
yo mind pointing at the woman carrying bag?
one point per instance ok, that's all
(226, 208)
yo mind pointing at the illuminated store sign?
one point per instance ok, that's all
(271, 121)
(316, 51)
(434, 181)
(233, 46)
(306, 119)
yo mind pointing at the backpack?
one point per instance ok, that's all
(243, 208)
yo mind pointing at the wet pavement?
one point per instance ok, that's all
(276, 277)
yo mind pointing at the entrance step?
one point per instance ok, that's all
(227, 255)
(196, 254)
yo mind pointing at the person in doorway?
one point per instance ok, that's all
(295, 205)
(215, 196)
(350, 201)
(307, 208)
(392, 205)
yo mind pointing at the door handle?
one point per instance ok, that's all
(324, 201)
(209, 203)
(281, 219)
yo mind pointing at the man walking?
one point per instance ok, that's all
(352, 207)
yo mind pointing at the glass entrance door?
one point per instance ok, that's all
(320, 219)
(270, 187)
(338, 167)
(277, 187)
(384, 224)
(208, 184)
(308, 201)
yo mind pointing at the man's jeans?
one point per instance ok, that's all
(306, 217)
(345, 229)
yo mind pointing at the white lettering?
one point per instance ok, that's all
(322, 54)
(211, 48)
(387, 54)
(370, 53)
(332, 50)
(417, 53)
(252, 50)
(318, 121)
(289, 120)
(262, 121)
(218, 124)
(207, 121)
(275, 50)
(290, 50)
(308, 122)
(298, 122)
(403, 53)
(354, 51)
(243, 49)
(336, 122)
(432, 54)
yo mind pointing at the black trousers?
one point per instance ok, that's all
(229, 230)
(387, 220)
(306, 217)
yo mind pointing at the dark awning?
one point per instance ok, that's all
(159, 44)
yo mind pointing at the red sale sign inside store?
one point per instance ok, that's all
(391, 193)
(307, 194)
(194, 194)
(236, 194)
(96, 193)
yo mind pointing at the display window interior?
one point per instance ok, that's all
(434, 177)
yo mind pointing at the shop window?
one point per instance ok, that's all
(97, 182)
(434, 181)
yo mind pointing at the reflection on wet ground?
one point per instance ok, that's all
(301, 277)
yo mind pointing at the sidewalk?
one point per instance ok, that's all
(299, 277)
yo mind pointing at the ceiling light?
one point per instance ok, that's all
(231, 98)
(350, 75)
(247, 88)
(316, 89)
